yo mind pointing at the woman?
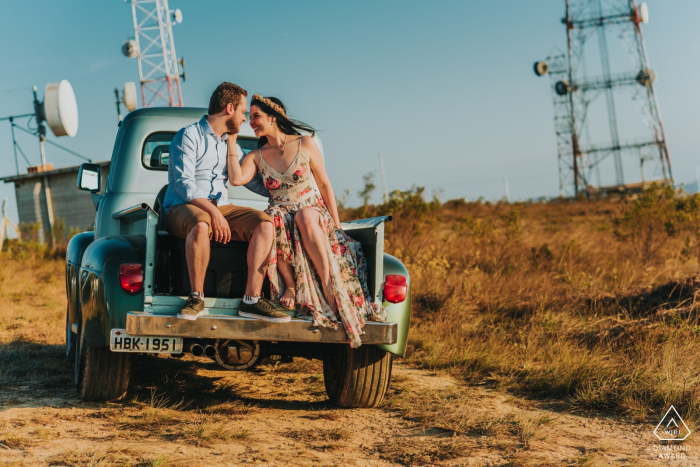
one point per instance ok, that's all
(321, 267)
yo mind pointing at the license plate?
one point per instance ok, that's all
(120, 341)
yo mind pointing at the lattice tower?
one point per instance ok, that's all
(159, 69)
(573, 91)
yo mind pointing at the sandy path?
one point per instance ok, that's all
(190, 411)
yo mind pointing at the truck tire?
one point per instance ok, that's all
(102, 375)
(70, 338)
(356, 378)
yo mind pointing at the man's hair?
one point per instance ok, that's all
(224, 94)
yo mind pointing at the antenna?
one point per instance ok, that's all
(381, 172)
(154, 46)
(60, 111)
(573, 92)
(128, 98)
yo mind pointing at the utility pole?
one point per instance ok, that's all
(47, 189)
(119, 102)
(505, 180)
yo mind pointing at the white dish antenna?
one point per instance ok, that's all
(129, 48)
(60, 110)
(129, 96)
(644, 13)
(177, 16)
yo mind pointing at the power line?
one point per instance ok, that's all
(55, 144)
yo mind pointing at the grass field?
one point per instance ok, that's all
(538, 310)
(589, 302)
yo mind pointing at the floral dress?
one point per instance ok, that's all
(289, 192)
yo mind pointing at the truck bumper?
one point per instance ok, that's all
(236, 327)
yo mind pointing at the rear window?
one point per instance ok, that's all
(156, 149)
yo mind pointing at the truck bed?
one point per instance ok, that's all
(166, 286)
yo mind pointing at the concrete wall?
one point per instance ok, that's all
(74, 206)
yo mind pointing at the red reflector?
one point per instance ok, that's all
(131, 277)
(395, 280)
(395, 289)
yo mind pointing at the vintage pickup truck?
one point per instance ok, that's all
(126, 281)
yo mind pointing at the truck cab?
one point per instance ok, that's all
(127, 280)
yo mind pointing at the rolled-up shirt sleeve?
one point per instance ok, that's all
(183, 158)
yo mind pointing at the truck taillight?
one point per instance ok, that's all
(131, 277)
(395, 288)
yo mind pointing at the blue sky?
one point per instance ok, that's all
(443, 89)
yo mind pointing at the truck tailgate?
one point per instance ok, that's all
(236, 327)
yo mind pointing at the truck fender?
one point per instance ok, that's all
(103, 303)
(74, 255)
(399, 313)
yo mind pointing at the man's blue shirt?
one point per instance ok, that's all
(197, 167)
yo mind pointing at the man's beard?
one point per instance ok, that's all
(232, 127)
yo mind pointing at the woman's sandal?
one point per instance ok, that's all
(293, 307)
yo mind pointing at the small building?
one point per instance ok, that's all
(70, 205)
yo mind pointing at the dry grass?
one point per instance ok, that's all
(32, 324)
(424, 451)
(109, 457)
(590, 302)
(321, 439)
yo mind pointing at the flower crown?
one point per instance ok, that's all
(276, 107)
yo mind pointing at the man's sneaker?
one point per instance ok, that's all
(263, 310)
(194, 308)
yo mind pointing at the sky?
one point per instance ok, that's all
(444, 90)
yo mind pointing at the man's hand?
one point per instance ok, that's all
(219, 224)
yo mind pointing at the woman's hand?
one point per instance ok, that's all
(345, 236)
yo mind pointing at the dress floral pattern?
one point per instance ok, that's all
(290, 192)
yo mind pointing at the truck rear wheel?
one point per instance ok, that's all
(356, 378)
(102, 375)
(70, 338)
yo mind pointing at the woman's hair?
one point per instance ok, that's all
(286, 126)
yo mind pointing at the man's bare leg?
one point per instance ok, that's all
(258, 256)
(197, 251)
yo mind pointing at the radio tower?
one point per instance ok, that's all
(154, 46)
(573, 90)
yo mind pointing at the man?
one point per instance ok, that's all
(197, 208)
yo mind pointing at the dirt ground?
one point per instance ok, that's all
(186, 411)
(189, 411)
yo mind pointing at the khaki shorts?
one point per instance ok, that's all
(181, 219)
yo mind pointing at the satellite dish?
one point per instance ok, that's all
(646, 77)
(129, 48)
(541, 68)
(177, 16)
(644, 13)
(60, 108)
(129, 96)
(562, 87)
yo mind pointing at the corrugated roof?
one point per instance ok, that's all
(63, 170)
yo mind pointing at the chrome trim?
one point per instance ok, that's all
(235, 327)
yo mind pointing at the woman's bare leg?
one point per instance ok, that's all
(287, 273)
(314, 241)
